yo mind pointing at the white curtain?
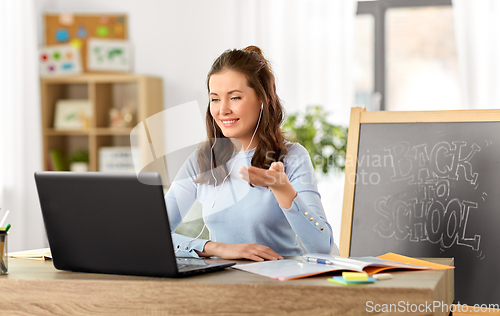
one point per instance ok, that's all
(20, 131)
(477, 25)
(310, 46)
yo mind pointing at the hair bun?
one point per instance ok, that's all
(252, 48)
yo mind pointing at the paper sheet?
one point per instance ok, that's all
(34, 254)
(287, 269)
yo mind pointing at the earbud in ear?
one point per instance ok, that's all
(262, 106)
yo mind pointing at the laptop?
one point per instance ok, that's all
(111, 223)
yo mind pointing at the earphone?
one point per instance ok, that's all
(225, 178)
(211, 163)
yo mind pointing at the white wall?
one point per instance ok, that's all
(179, 40)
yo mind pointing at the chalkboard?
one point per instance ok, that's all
(427, 184)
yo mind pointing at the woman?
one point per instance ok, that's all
(258, 191)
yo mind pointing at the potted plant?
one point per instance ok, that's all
(79, 160)
(325, 142)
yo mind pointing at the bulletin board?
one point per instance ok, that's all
(76, 29)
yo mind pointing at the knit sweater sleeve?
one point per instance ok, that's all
(179, 200)
(306, 215)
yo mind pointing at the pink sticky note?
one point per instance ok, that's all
(66, 19)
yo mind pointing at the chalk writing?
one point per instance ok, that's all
(434, 215)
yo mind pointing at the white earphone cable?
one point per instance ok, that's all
(229, 173)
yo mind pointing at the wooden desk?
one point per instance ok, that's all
(37, 288)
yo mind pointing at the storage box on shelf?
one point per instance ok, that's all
(119, 102)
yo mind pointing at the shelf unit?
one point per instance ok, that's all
(104, 91)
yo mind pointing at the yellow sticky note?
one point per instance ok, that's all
(355, 276)
(76, 42)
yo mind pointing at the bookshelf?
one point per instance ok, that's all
(141, 93)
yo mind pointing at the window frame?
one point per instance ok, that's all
(378, 9)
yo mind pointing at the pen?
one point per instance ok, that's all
(320, 261)
(3, 266)
(7, 228)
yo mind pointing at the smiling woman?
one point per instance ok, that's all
(262, 210)
(236, 111)
(249, 72)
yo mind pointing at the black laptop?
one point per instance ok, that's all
(111, 223)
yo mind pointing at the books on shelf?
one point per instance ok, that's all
(57, 160)
(116, 159)
(314, 264)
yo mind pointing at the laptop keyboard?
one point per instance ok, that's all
(182, 267)
(197, 266)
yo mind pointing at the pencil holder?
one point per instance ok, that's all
(4, 264)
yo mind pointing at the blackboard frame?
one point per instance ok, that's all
(359, 115)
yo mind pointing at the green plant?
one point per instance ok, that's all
(325, 142)
(81, 155)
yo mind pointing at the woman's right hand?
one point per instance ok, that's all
(250, 251)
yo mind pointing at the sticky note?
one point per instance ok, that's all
(66, 19)
(355, 276)
(62, 35)
(118, 29)
(102, 31)
(82, 32)
(76, 42)
(340, 280)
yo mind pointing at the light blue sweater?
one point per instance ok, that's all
(243, 214)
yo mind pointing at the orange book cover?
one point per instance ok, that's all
(404, 259)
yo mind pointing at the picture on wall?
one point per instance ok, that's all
(109, 55)
(73, 114)
(60, 60)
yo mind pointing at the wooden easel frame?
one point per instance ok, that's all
(359, 116)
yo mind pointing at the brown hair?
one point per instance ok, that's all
(271, 147)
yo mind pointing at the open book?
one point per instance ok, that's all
(289, 269)
(35, 254)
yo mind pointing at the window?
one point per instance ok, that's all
(414, 60)
(364, 66)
